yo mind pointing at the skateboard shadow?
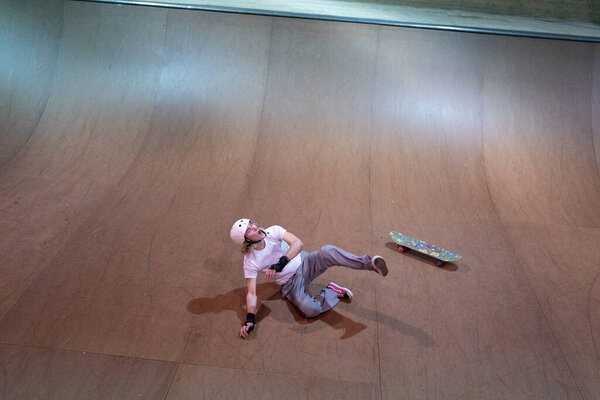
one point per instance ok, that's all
(447, 266)
(233, 301)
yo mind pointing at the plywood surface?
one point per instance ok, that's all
(161, 127)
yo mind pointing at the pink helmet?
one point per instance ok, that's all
(238, 230)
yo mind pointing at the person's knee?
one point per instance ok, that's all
(328, 249)
(310, 310)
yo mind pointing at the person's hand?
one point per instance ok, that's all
(246, 329)
(270, 274)
(248, 325)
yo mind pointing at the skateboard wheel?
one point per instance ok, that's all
(401, 249)
(439, 263)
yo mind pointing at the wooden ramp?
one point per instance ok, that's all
(132, 137)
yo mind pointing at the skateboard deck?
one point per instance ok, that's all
(431, 250)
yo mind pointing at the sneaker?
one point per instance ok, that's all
(378, 265)
(342, 292)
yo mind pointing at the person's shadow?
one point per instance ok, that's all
(232, 301)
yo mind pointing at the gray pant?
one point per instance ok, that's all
(313, 265)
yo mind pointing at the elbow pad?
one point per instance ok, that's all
(283, 260)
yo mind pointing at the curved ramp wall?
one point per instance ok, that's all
(30, 35)
(153, 129)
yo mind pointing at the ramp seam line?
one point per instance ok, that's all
(50, 92)
(373, 89)
(509, 244)
(262, 111)
(594, 68)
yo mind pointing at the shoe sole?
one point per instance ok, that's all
(381, 266)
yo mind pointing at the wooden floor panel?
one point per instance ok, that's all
(154, 129)
(41, 373)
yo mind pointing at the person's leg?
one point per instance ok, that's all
(327, 256)
(296, 291)
(318, 262)
(313, 265)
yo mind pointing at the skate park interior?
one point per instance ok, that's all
(132, 137)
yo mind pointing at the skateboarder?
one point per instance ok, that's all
(278, 253)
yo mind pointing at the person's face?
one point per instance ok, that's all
(253, 232)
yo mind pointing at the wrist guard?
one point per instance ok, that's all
(250, 319)
(283, 260)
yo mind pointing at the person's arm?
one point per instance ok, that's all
(294, 243)
(250, 307)
(295, 248)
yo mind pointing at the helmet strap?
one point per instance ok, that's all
(250, 242)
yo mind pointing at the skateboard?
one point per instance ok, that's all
(431, 250)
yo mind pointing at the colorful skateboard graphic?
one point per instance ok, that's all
(431, 250)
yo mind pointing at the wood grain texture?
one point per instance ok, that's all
(162, 127)
(596, 106)
(30, 35)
